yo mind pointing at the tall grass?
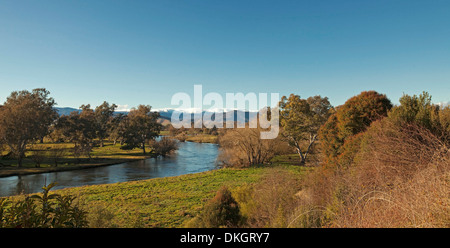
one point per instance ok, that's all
(399, 177)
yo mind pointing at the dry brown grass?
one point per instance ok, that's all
(399, 178)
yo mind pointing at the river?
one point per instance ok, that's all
(189, 158)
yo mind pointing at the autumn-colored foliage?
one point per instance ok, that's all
(352, 118)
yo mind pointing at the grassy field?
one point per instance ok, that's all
(159, 202)
(164, 202)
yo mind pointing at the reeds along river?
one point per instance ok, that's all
(189, 158)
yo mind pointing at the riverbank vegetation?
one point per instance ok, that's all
(367, 163)
(35, 139)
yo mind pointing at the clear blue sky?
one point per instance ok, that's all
(142, 52)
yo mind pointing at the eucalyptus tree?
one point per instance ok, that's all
(25, 117)
(300, 120)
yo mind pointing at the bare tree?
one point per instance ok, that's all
(244, 147)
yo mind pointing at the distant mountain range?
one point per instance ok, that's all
(166, 114)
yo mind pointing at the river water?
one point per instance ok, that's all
(189, 158)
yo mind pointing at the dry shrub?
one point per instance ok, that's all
(399, 178)
(272, 202)
(242, 147)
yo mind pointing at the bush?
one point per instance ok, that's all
(243, 147)
(163, 147)
(221, 211)
(399, 179)
(272, 202)
(46, 210)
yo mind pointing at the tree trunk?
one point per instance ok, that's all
(19, 161)
(299, 151)
(300, 155)
(143, 147)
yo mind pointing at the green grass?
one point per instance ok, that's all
(161, 202)
(170, 201)
(166, 202)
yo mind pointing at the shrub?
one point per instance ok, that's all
(46, 210)
(272, 202)
(244, 147)
(163, 147)
(400, 179)
(221, 211)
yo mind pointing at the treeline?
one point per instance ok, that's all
(27, 118)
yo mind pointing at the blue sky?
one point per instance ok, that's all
(143, 52)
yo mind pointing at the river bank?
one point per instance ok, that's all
(14, 171)
(109, 154)
(167, 202)
(189, 158)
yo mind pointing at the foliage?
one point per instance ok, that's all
(117, 128)
(270, 202)
(164, 146)
(80, 129)
(359, 111)
(141, 126)
(103, 118)
(24, 118)
(244, 147)
(301, 119)
(330, 141)
(399, 178)
(420, 111)
(46, 210)
(221, 211)
(350, 119)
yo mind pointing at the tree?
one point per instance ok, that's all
(444, 123)
(301, 119)
(329, 137)
(359, 111)
(103, 116)
(354, 117)
(24, 118)
(80, 129)
(117, 128)
(419, 110)
(141, 126)
(414, 109)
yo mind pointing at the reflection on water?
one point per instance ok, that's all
(189, 158)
